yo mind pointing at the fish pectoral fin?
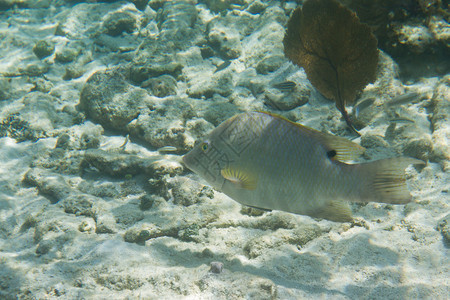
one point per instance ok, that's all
(240, 178)
(335, 210)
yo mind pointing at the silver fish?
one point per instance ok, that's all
(401, 120)
(360, 106)
(265, 161)
(403, 99)
(167, 149)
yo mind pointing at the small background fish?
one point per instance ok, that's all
(265, 161)
(285, 86)
(222, 66)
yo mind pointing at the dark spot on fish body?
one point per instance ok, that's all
(331, 154)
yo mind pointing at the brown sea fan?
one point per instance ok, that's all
(338, 52)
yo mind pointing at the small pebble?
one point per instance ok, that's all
(43, 49)
(216, 267)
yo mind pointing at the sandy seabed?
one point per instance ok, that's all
(89, 213)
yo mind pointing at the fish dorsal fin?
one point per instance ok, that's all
(338, 148)
(239, 178)
(335, 210)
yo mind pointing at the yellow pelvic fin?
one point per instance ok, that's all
(239, 177)
(335, 210)
(341, 148)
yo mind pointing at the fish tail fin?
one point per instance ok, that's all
(385, 180)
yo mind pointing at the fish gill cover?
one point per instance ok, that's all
(338, 53)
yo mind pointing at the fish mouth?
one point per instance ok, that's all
(189, 162)
(186, 161)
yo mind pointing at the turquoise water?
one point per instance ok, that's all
(99, 100)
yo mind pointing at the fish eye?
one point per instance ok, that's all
(204, 146)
